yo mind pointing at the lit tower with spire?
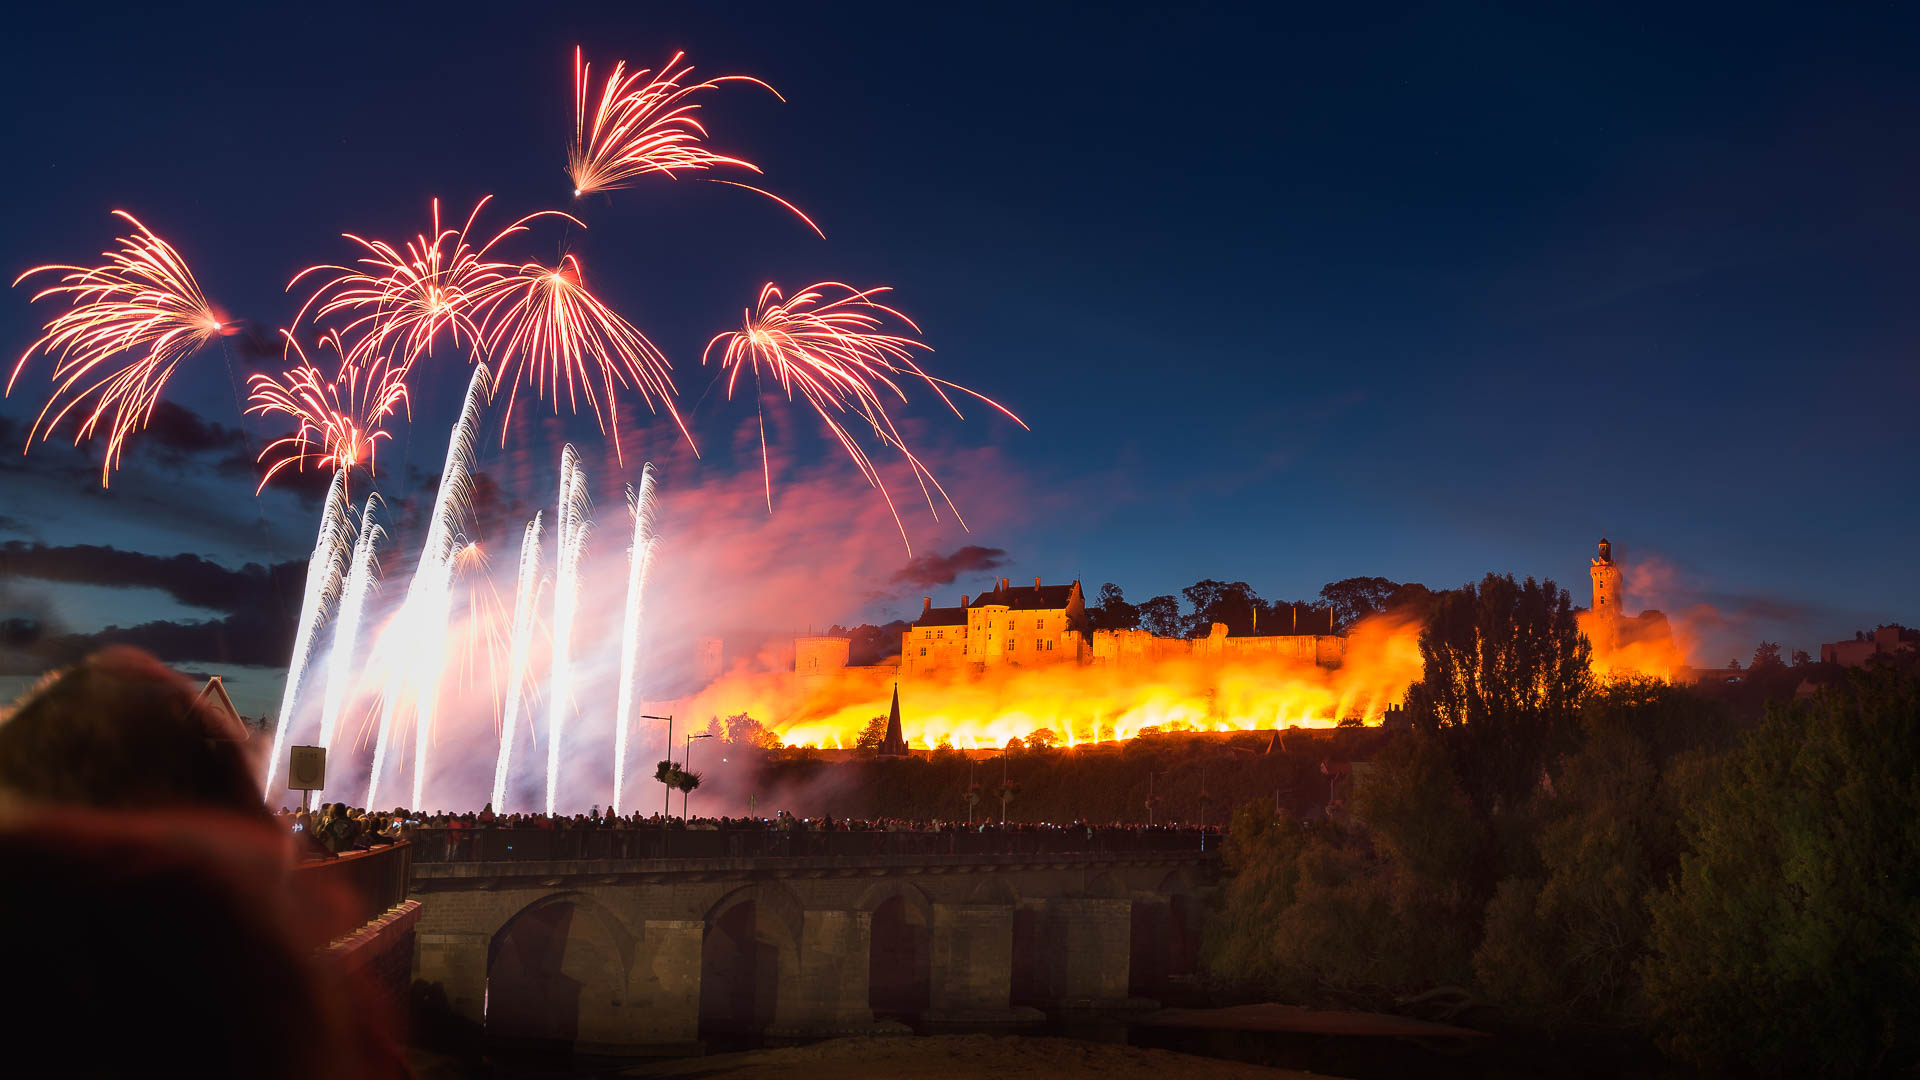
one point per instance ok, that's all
(895, 744)
(1606, 596)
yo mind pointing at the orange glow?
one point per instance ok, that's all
(835, 354)
(1081, 704)
(144, 302)
(1620, 654)
(640, 126)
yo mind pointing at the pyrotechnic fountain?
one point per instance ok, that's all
(525, 598)
(323, 584)
(421, 622)
(639, 565)
(571, 544)
(346, 624)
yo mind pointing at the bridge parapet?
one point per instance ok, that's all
(635, 953)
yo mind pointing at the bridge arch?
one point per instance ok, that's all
(750, 945)
(556, 972)
(899, 948)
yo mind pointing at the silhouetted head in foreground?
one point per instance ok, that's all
(120, 729)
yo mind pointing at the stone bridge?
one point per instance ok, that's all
(658, 954)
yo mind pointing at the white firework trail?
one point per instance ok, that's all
(525, 596)
(421, 626)
(571, 544)
(362, 573)
(639, 565)
(323, 585)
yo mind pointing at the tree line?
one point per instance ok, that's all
(1628, 857)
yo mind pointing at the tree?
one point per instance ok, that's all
(1234, 604)
(1506, 665)
(872, 735)
(1353, 599)
(1766, 656)
(1787, 943)
(1113, 612)
(1042, 739)
(1801, 658)
(744, 730)
(1160, 616)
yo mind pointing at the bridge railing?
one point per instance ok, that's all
(375, 879)
(522, 844)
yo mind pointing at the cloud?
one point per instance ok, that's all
(938, 569)
(258, 603)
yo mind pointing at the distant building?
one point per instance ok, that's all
(1887, 640)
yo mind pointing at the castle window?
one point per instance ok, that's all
(941, 634)
(923, 650)
(1039, 645)
(1039, 624)
(1049, 646)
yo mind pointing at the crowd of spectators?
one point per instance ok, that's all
(335, 829)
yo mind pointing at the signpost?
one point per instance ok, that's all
(307, 772)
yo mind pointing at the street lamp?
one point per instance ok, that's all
(666, 808)
(687, 764)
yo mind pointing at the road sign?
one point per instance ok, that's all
(307, 769)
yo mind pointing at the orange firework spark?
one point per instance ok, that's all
(399, 300)
(337, 421)
(544, 320)
(143, 302)
(639, 126)
(834, 353)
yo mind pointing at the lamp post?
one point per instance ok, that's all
(687, 764)
(667, 809)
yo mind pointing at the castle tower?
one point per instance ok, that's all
(895, 744)
(1606, 596)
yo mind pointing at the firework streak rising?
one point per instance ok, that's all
(639, 127)
(323, 586)
(639, 568)
(571, 544)
(828, 345)
(525, 612)
(144, 305)
(416, 639)
(362, 576)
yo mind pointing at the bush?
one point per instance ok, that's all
(1791, 939)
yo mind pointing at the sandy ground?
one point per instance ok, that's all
(938, 1057)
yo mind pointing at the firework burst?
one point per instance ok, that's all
(640, 125)
(828, 344)
(545, 329)
(142, 308)
(336, 421)
(397, 301)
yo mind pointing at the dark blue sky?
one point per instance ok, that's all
(1287, 295)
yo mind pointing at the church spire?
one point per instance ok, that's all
(895, 744)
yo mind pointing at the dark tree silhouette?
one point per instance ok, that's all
(1235, 604)
(1113, 611)
(1161, 616)
(872, 735)
(1767, 656)
(1507, 666)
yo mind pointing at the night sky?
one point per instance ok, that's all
(1286, 296)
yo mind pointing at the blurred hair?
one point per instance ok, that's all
(169, 943)
(120, 729)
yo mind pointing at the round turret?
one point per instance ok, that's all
(1606, 550)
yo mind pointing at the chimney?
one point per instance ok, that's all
(1036, 581)
(926, 604)
(963, 599)
(1005, 584)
